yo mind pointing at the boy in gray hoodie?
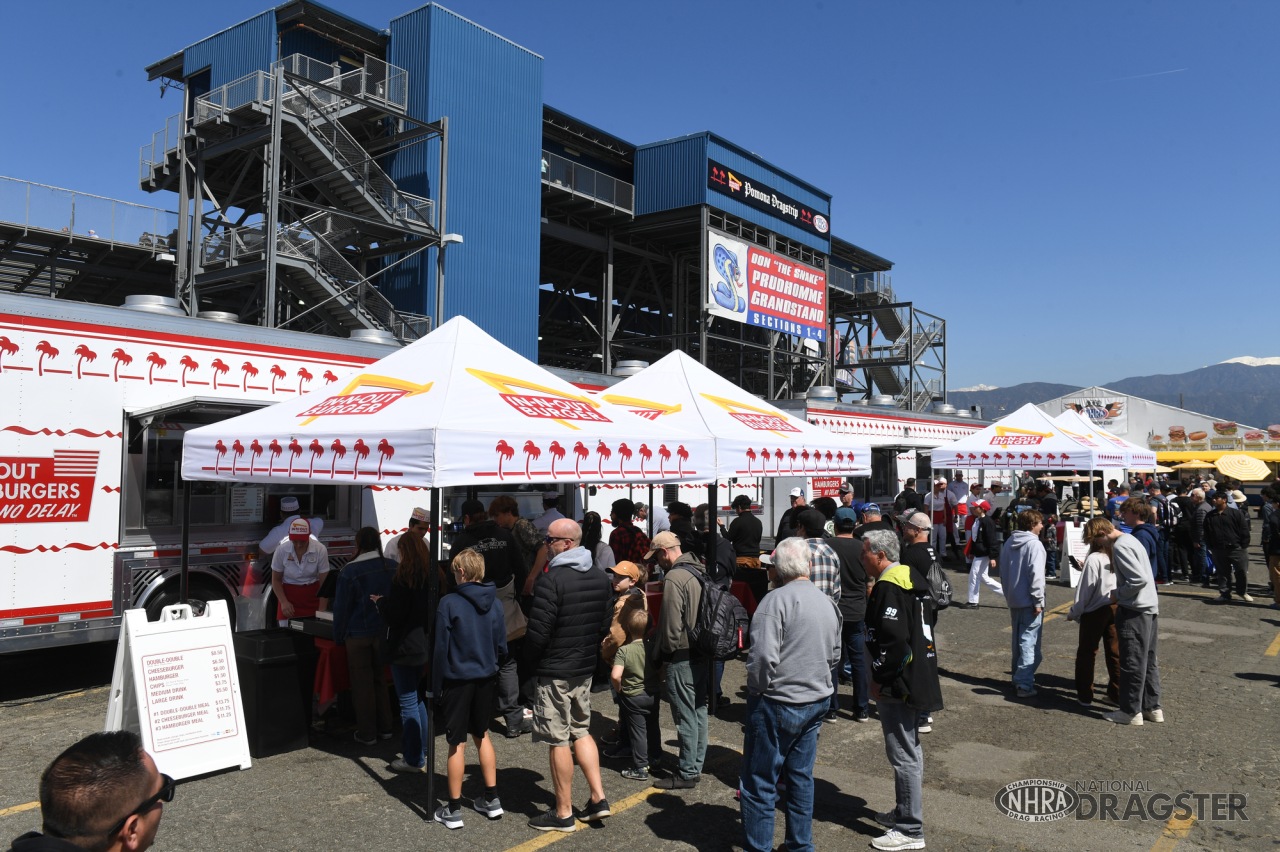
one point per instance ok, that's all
(1022, 561)
(1137, 626)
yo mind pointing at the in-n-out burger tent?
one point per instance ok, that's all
(454, 408)
(752, 438)
(1027, 439)
(1077, 426)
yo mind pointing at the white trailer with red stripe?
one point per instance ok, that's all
(93, 403)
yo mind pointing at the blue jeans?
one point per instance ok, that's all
(1051, 563)
(413, 712)
(781, 740)
(1162, 556)
(1026, 644)
(852, 639)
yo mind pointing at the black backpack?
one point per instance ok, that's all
(720, 629)
(939, 586)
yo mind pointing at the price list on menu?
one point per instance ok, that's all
(188, 693)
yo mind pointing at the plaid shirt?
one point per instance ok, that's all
(824, 568)
(629, 543)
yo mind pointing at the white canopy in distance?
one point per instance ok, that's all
(1027, 439)
(454, 408)
(752, 437)
(1076, 425)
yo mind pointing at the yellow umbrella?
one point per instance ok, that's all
(1194, 464)
(1242, 467)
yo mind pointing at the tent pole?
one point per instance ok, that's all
(433, 600)
(713, 535)
(649, 514)
(183, 579)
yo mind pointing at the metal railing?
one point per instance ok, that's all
(874, 282)
(377, 81)
(80, 215)
(162, 143)
(354, 159)
(231, 245)
(254, 87)
(562, 172)
(351, 290)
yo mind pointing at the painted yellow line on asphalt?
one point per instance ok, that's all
(1057, 611)
(1174, 830)
(614, 808)
(1049, 614)
(17, 809)
(1274, 649)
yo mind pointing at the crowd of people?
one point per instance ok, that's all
(535, 614)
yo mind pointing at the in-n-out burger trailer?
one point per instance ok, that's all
(96, 400)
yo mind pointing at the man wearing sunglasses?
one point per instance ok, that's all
(103, 793)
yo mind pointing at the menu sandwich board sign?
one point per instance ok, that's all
(176, 684)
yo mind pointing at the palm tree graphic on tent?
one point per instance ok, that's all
(220, 368)
(46, 350)
(84, 353)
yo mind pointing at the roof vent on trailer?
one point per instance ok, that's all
(884, 400)
(219, 316)
(374, 335)
(823, 392)
(943, 408)
(623, 369)
(154, 305)
(964, 412)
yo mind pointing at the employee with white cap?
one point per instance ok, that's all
(298, 568)
(551, 514)
(936, 503)
(288, 514)
(787, 524)
(419, 524)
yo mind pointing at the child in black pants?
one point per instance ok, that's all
(637, 707)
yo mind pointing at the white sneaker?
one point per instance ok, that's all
(1122, 718)
(1247, 598)
(894, 839)
(1156, 715)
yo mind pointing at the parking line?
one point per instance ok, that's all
(17, 809)
(1049, 614)
(1274, 649)
(1174, 830)
(629, 802)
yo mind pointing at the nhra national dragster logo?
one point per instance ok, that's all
(1044, 800)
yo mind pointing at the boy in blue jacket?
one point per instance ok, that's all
(471, 637)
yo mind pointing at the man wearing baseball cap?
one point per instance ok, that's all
(936, 503)
(688, 675)
(289, 512)
(298, 567)
(846, 509)
(787, 524)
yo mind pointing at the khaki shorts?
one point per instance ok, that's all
(561, 710)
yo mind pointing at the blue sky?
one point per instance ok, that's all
(1084, 190)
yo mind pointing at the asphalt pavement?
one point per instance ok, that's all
(1219, 665)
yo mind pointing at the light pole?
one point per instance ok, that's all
(445, 240)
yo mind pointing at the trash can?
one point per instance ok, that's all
(275, 719)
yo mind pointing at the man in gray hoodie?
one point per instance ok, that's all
(1136, 628)
(1022, 561)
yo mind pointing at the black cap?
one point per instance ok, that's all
(812, 522)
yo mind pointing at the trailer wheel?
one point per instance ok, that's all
(199, 594)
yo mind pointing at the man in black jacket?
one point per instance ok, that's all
(744, 533)
(504, 567)
(571, 613)
(1226, 534)
(853, 608)
(904, 673)
(909, 499)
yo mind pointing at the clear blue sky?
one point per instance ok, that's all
(1084, 190)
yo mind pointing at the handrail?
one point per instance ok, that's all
(353, 157)
(377, 80)
(82, 215)
(353, 291)
(162, 142)
(563, 172)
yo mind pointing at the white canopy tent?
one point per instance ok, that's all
(1027, 439)
(752, 437)
(1075, 425)
(454, 408)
